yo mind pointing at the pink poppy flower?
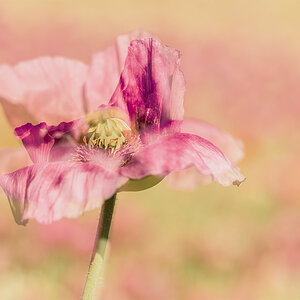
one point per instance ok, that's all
(119, 121)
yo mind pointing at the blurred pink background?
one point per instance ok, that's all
(241, 62)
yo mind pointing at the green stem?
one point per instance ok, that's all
(94, 278)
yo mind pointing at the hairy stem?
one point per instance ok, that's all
(94, 280)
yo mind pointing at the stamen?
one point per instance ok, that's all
(108, 140)
(84, 140)
(106, 131)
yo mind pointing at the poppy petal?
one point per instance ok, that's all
(180, 151)
(44, 89)
(50, 191)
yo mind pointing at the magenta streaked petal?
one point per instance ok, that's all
(39, 139)
(180, 151)
(123, 43)
(45, 89)
(50, 191)
(151, 136)
(106, 67)
(151, 86)
(36, 140)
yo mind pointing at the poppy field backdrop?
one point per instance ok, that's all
(241, 64)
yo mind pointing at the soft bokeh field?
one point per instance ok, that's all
(241, 62)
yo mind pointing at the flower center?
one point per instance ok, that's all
(106, 131)
(106, 139)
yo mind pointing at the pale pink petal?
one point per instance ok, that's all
(50, 191)
(187, 179)
(231, 147)
(190, 178)
(103, 77)
(180, 151)
(12, 159)
(39, 139)
(106, 67)
(151, 86)
(45, 89)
